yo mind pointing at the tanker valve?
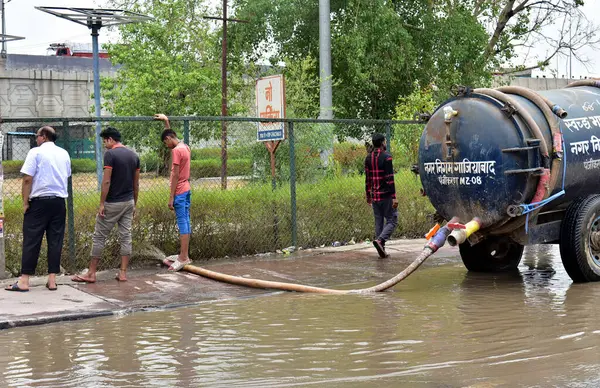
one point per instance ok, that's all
(461, 233)
(439, 235)
(449, 112)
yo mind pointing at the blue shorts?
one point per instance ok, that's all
(181, 203)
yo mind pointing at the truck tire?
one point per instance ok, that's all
(580, 260)
(494, 254)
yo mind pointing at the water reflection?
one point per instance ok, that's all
(442, 327)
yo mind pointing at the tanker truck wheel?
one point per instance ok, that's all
(494, 254)
(580, 239)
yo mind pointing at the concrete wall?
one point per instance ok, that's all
(46, 86)
(533, 83)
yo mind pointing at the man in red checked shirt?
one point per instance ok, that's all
(381, 192)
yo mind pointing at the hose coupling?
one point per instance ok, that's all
(462, 232)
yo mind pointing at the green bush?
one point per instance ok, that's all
(235, 222)
(350, 156)
(212, 168)
(149, 162)
(83, 165)
(215, 153)
(13, 167)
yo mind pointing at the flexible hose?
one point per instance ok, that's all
(266, 284)
(547, 107)
(537, 99)
(535, 129)
(589, 82)
(433, 244)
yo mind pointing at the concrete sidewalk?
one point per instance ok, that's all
(154, 287)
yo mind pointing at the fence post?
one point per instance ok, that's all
(293, 183)
(186, 132)
(388, 136)
(70, 206)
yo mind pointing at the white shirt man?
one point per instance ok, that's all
(46, 171)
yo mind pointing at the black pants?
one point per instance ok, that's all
(43, 216)
(383, 210)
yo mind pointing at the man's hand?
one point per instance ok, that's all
(171, 200)
(25, 207)
(163, 118)
(369, 200)
(394, 203)
(101, 210)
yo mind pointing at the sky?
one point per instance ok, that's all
(40, 29)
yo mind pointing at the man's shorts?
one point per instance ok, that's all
(181, 203)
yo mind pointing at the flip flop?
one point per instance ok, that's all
(51, 288)
(178, 265)
(79, 279)
(117, 278)
(15, 287)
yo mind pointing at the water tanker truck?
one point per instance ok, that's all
(517, 167)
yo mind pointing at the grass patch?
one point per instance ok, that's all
(246, 220)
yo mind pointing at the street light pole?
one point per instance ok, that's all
(325, 95)
(96, 60)
(94, 19)
(3, 53)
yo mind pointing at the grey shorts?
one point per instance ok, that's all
(120, 213)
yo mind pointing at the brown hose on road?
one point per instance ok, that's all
(265, 284)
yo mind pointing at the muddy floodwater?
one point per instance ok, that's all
(442, 327)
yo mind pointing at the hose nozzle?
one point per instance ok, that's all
(439, 239)
(461, 233)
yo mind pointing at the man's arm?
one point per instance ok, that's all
(368, 180)
(26, 191)
(174, 181)
(107, 173)
(389, 178)
(136, 186)
(164, 119)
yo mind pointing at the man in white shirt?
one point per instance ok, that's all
(46, 171)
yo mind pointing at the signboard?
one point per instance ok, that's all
(270, 104)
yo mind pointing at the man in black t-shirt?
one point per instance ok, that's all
(120, 187)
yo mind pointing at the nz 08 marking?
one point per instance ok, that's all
(460, 181)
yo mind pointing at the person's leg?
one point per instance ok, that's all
(391, 220)
(181, 206)
(378, 214)
(101, 231)
(125, 222)
(184, 252)
(55, 234)
(34, 225)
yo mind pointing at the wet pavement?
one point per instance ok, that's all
(441, 327)
(152, 288)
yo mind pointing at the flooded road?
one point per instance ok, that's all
(442, 327)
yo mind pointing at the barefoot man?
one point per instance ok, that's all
(180, 197)
(120, 187)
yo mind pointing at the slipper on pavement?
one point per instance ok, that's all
(178, 265)
(51, 288)
(15, 287)
(79, 279)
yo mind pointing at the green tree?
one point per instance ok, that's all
(171, 64)
(406, 137)
(379, 48)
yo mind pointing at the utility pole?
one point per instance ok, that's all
(325, 95)
(224, 92)
(3, 53)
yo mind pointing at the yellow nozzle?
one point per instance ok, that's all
(472, 226)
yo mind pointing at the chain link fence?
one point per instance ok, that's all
(311, 193)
